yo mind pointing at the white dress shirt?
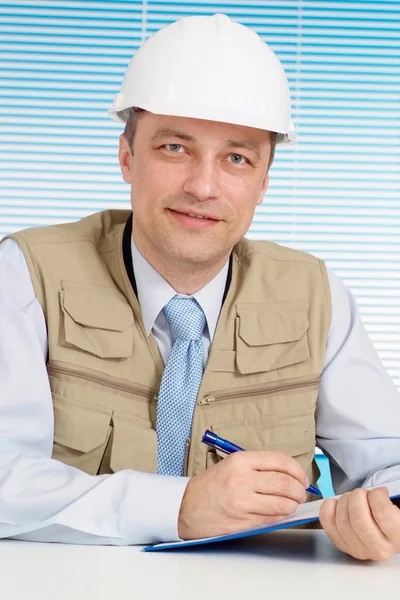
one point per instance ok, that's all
(41, 499)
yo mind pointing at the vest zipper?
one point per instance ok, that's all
(186, 461)
(234, 395)
(113, 383)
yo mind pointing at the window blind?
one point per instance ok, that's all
(335, 194)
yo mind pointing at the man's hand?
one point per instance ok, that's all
(246, 489)
(363, 523)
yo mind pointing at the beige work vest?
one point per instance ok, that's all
(260, 384)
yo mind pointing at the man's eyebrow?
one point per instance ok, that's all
(172, 133)
(251, 146)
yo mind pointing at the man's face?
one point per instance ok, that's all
(182, 167)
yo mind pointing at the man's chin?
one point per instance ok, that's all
(194, 254)
(196, 258)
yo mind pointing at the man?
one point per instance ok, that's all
(122, 339)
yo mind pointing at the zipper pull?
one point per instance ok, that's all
(207, 400)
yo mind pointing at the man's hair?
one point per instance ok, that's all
(137, 113)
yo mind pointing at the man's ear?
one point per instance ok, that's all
(125, 159)
(264, 187)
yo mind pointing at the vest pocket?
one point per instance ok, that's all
(273, 416)
(134, 445)
(96, 319)
(93, 429)
(95, 440)
(271, 335)
(80, 434)
(301, 449)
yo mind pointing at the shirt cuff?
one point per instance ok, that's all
(152, 508)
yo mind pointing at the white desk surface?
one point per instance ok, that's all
(301, 564)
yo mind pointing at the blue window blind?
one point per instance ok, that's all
(335, 194)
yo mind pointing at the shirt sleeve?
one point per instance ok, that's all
(358, 406)
(42, 499)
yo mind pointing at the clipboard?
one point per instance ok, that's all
(305, 513)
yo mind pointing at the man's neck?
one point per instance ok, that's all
(184, 278)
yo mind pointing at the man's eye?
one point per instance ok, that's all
(238, 156)
(173, 147)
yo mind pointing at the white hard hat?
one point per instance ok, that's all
(208, 67)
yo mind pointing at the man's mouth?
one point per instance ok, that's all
(194, 220)
(196, 215)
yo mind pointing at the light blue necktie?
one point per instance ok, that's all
(179, 384)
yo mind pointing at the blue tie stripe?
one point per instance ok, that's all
(179, 384)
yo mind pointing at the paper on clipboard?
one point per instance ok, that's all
(306, 513)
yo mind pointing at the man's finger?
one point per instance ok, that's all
(267, 460)
(279, 484)
(271, 506)
(386, 515)
(362, 520)
(327, 517)
(355, 545)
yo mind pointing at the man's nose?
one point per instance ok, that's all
(203, 181)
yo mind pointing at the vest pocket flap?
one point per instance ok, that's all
(214, 456)
(271, 336)
(134, 445)
(272, 322)
(79, 427)
(294, 439)
(96, 319)
(300, 447)
(96, 306)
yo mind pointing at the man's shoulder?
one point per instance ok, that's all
(245, 248)
(87, 228)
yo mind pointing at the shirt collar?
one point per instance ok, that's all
(154, 292)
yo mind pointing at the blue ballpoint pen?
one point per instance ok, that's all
(213, 440)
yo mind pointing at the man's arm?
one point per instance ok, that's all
(358, 407)
(42, 499)
(358, 427)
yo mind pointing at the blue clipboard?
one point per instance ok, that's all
(306, 513)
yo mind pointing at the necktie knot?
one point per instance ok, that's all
(185, 318)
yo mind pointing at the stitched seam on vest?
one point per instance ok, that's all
(75, 241)
(308, 262)
(246, 247)
(328, 297)
(32, 266)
